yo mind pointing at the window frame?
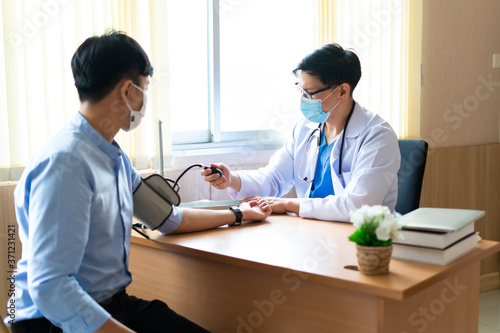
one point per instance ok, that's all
(214, 136)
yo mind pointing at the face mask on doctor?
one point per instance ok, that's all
(136, 116)
(312, 109)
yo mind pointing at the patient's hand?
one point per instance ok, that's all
(256, 210)
(279, 205)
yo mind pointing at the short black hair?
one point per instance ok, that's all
(100, 62)
(332, 65)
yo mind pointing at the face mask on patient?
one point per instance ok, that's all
(136, 116)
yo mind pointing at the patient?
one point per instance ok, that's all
(74, 206)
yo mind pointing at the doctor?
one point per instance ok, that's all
(339, 156)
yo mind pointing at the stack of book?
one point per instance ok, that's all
(437, 235)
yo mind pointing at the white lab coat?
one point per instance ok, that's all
(370, 164)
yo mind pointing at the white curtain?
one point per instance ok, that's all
(37, 92)
(377, 32)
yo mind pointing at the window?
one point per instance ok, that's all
(222, 68)
(188, 66)
(243, 88)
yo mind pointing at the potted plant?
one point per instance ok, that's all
(376, 228)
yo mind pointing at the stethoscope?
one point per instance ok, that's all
(318, 144)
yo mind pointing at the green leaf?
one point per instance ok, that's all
(361, 237)
(367, 237)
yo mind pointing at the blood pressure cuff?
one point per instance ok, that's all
(153, 201)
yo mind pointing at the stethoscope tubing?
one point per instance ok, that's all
(305, 150)
(319, 128)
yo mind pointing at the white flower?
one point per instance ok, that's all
(389, 227)
(357, 218)
(382, 233)
(365, 213)
(388, 224)
(377, 210)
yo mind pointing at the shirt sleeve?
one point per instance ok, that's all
(60, 198)
(173, 221)
(136, 178)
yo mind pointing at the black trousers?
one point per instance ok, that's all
(137, 314)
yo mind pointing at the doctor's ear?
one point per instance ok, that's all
(345, 90)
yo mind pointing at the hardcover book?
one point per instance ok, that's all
(436, 256)
(440, 219)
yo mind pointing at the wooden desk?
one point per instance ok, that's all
(288, 274)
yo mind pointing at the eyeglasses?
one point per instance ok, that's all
(307, 94)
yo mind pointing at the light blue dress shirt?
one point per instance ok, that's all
(74, 208)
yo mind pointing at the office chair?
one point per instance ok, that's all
(410, 174)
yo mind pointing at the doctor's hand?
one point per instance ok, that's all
(256, 210)
(279, 205)
(228, 178)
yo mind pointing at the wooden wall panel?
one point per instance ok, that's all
(7, 217)
(468, 178)
(460, 94)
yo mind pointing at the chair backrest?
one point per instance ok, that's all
(410, 174)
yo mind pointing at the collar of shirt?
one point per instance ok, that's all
(113, 150)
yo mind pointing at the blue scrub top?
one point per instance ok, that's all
(322, 184)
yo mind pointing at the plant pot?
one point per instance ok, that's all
(374, 260)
